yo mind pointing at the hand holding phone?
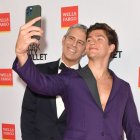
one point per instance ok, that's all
(31, 13)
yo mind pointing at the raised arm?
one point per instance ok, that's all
(25, 39)
(24, 66)
(50, 85)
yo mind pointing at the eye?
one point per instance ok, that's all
(70, 38)
(88, 40)
(80, 42)
(99, 38)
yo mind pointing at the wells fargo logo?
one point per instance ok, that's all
(4, 22)
(8, 131)
(69, 16)
(139, 78)
(6, 77)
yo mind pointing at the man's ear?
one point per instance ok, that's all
(112, 47)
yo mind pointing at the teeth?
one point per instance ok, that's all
(72, 50)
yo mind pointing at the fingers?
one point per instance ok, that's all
(30, 23)
(25, 36)
(25, 39)
(31, 31)
(28, 27)
(31, 41)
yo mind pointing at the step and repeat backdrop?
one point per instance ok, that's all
(57, 16)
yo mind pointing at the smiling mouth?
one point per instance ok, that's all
(72, 50)
(93, 48)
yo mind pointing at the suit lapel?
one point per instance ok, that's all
(53, 68)
(91, 83)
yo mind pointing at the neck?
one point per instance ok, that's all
(99, 69)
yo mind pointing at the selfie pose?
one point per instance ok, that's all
(99, 105)
(42, 117)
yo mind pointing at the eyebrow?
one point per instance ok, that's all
(97, 36)
(100, 36)
(75, 37)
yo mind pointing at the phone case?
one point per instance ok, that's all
(31, 13)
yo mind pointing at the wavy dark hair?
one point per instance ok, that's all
(110, 33)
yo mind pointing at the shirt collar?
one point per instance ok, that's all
(76, 66)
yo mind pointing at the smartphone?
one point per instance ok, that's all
(31, 13)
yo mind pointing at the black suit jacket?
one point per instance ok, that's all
(39, 117)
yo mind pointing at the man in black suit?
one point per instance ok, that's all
(39, 118)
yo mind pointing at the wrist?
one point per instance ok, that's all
(22, 58)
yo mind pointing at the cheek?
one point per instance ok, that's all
(87, 48)
(64, 50)
(81, 50)
(65, 45)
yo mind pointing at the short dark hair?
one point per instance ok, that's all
(110, 33)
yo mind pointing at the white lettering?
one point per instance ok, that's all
(4, 19)
(4, 24)
(9, 133)
(5, 79)
(5, 75)
(69, 19)
(69, 14)
(8, 129)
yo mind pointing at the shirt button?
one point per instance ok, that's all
(102, 133)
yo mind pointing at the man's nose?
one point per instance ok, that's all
(74, 43)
